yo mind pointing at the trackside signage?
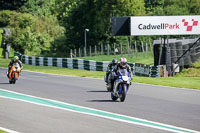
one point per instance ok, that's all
(165, 25)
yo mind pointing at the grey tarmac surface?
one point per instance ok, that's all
(30, 118)
(168, 105)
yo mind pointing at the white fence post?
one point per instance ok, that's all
(41, 61)
(50, 61)
(59, 62)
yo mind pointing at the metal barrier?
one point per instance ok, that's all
(137, 69)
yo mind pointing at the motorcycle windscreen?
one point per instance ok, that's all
(16, 65)
(123, 72)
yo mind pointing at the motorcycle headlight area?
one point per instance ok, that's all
(125, 78)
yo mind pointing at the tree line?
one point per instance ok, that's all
(53, 27)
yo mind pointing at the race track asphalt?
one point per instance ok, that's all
(174, 106)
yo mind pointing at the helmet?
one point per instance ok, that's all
(114, 61)
(15, 58)
(123, 62)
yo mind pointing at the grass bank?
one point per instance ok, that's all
(143, 58)
(189, 78)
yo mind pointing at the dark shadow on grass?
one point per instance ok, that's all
(97, 91)
(102, 101)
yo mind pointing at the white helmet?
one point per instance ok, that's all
(123, 62)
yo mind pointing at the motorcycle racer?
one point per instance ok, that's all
(110, 67)
(122, 65)
(14, 60)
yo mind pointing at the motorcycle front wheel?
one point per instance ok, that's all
(14, 79)
(114, 98)
(123, 94)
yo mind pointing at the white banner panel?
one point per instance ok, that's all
(165, 25)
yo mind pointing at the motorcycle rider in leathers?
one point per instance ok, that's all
(14, 60)
(121, 65)
(110, 66)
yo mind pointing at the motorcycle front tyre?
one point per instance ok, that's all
(123, 95)
(114, 98)
(15, 78)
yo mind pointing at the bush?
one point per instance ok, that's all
(5, 18)
(31, 35)
(48, 25)
(1, 52)
(1, 31)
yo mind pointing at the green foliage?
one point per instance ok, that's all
(36, 23)
(58, 47)
(33, 43)
(49, 25)
(193, 7)
(31, 35)
(28, 41)
(51, 35)
(25, 20)
(154, 7)
(39, 7)
(12, 51)
(96, 16)
(1, 52)
(21, 20)
(5, 18)
(172, 7)
(1, 31)
(11, 4)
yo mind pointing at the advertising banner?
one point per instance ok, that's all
(165, 25)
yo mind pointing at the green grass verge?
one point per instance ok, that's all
(1, 131)
(179, 81)
(65, 71)
(191, 72)
(182, 82)
(146, 58)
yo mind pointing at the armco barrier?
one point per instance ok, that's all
(137, 69)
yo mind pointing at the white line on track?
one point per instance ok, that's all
(151, 124)
(8, 130)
